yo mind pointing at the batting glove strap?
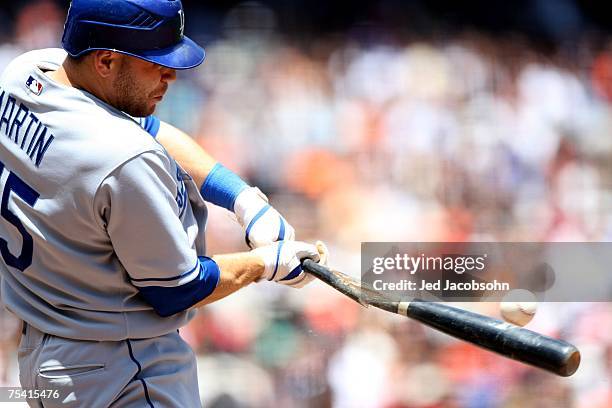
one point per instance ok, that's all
(263, 224)
(282, 262)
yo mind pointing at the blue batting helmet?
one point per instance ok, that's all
(148, 29)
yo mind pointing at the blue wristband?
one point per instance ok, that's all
(222, 186)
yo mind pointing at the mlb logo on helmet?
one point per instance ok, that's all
(182, 17)
(34, 86)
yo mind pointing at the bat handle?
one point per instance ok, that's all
(323, 274)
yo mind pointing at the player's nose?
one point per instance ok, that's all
(168, 74)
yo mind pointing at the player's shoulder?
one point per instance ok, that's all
(103, 136)
(46, 55)
(119, 137)
(51, 58)
(98, 143)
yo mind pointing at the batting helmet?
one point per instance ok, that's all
(148, 29)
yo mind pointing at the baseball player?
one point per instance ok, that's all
(102, 240)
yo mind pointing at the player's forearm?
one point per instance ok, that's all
(237, 271)
(262, 223)
(192, 158)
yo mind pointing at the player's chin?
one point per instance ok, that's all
(148, 109)
(153, 103)
(151, 110)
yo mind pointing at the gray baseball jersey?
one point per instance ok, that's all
(101, 232)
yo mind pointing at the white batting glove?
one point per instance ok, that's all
(263, 225)
(282, 262)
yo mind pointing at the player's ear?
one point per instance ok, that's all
(105, 62)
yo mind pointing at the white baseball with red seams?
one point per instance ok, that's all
(519, 307)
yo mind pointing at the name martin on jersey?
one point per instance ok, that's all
(35, 139)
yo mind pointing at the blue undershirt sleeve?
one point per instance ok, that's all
(169, 300)
(150, 124)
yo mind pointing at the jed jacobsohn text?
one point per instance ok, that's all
(413, 264)
(473, 285)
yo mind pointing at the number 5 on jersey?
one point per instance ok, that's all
(17, 186)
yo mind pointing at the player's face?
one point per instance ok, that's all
(141, 85)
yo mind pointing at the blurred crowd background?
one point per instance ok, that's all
(388, 121)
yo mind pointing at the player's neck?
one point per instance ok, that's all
(71, 76)
(59, 76)
(82, 76)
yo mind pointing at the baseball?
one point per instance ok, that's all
(518, 307)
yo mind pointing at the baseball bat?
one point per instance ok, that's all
(517, 343)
